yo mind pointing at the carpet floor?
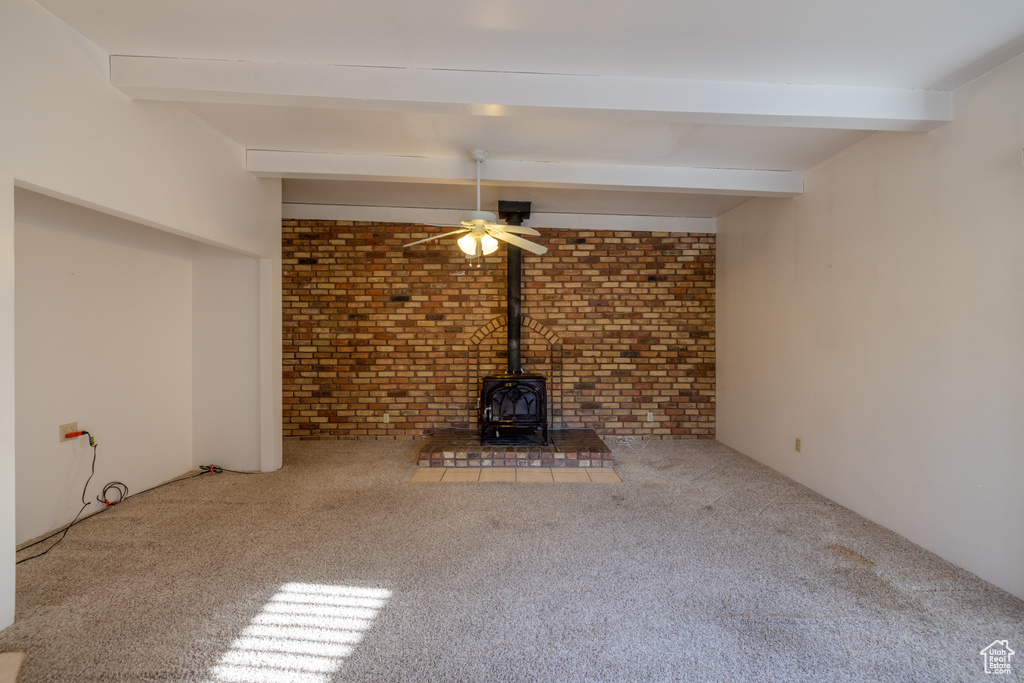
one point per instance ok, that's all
(701, 566)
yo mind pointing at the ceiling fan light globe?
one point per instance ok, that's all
(489, 244)
(467, 244)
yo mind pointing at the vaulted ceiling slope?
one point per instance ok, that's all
(652, 114)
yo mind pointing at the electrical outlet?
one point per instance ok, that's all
(387, 418)
(67, 429)
(798, 445)
(650, 416)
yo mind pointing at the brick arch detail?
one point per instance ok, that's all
(501, 322)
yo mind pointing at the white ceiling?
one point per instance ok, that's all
(662, 108)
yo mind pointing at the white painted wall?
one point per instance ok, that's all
(879, 317)
(65, 132)
(225, 343)
(103, 337)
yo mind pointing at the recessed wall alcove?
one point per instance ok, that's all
(130, 331)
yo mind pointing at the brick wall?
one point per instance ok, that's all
(621, 323)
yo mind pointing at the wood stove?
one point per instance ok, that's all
(513, 403)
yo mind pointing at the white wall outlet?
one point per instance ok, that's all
(387, 418)
(650, 416)
(798, 445)
(67, 429)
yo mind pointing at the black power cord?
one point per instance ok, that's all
(85, 504)
(122, 492)
(217, 469)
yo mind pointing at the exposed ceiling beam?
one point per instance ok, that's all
(312, 165)
(576, 221)
(531, 94)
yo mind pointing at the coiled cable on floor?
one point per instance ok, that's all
(636, 443)
(122, 493)
(217, 469)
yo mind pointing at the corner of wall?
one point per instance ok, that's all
(7, 490)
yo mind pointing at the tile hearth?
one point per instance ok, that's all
(567, 448)
(516, 475)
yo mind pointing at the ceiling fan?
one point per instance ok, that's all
(482, 231)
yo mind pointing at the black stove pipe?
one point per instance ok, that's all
(515, 308)
(514, 213)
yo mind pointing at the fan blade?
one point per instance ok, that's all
(519, 229)
(437, 237)
(520, 242)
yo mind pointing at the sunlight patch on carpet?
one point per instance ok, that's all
(302, 635)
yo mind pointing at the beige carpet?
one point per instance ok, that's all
(701, 566)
